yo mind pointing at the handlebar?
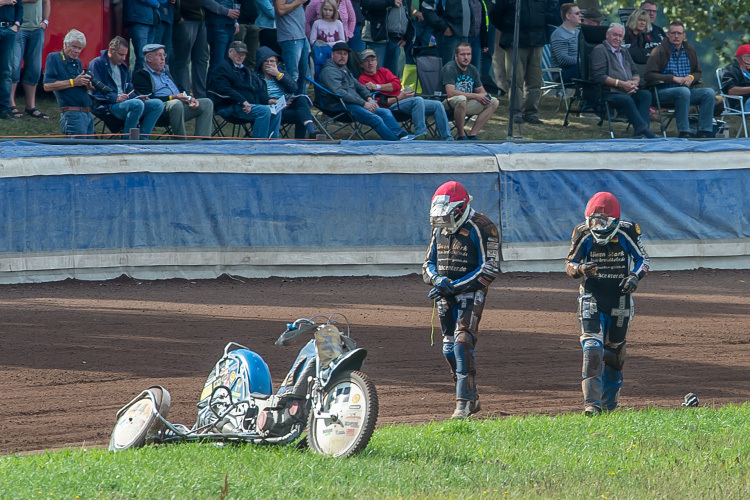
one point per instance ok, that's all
(304, 326)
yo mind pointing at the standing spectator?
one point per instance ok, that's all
(466, 95)
(29, 44)
(564, 42)
(345, 12)
(614, 68)
(531, 40)
(450, 21)
(163, 34)
(336, 77)
(190, 48)
(390, 29)
(656, 34)
(11, 17)
(328, 29)
(608, 254)
(266, 22)
(110, 69)
(221, 26)
(63, 75)
(461, 264)
(592, 17)
(397, 99)
(736, 77)
(675, 67)
(280, 84)
(638, 36)
(290, 32)
(154, 80)
(355, 41)
(249, 33)
(243, 94)
(478, 36)
(141, 19)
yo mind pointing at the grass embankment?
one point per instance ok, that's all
(691, 453)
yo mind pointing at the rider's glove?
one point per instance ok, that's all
(434, 293)
(629, 284)
(443, 285)
(588, 269)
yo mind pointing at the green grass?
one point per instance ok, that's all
(580, 128)
(690, 453)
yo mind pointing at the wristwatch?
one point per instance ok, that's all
(46, 21)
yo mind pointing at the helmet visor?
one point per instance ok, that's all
(442, 221)
(600, 222)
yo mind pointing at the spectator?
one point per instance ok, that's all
(110, 69)
(355, 41)
(531, 40)
(11, 17)
(290, 32)
(466, 95)
(154, 80)
(656, 35)
(328, 29)
(389, 30)
(592, 17)
(63, 75)
(674, 66)
(397, 99)
(638, 35)
(163, 34)
(564, 42)
(29, 44)
(457, 21)
(614, 68)
(336, 77)
(281, 84)
(190, 62)
(221, 26)
(249, 33)
(266, 21)
(141, 19)
(735, 80)
(346, 14)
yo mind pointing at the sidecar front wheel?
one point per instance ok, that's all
(138, 423)
(350, 411)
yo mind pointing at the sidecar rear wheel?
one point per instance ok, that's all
(139, 423)
(352, 402)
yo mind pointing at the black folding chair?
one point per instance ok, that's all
(429, 76)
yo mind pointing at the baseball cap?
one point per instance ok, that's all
(742, 50)
(367, 53)
(340, 46)
(151, 47)
(238, 46)
(593, 14)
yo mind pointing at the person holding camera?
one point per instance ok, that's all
(64, 76)
(114, 91)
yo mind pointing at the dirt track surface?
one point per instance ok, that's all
(72, 353)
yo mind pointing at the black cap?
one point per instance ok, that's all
(593, 14)
(340, 46)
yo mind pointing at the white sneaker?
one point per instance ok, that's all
(408, 137)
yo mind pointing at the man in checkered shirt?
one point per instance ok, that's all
(675, 65)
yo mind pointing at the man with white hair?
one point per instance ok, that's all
(64, 76)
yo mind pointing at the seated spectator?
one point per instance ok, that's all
(281, 84)
(638, 35)
(154, 80)
(564, 42)
(29, 44)
(736, 77)
(328, 29)
(397, 99)
(110, 69)
(614, 68)
(11, 17)
(63, 75)
(592, 17)
(336, 77)
(674, 66)
(346, 11)
(243, 94)
(466, 95)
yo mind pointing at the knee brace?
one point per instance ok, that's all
(614, 357)
(448, 353)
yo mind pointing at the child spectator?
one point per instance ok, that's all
(346, 11)
(328, 28)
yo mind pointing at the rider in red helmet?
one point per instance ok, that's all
(608, 254)
(460, 265)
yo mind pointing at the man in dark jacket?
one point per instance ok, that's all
(221, 26)
(735, 79)
(154, 80)
(382, 17)
(456, 21)
(531, 39)
(110, 69)
(241, 93)
(141, 19)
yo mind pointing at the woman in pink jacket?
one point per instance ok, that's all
(346, 14)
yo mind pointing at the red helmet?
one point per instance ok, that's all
(450, 207)
(603, 216)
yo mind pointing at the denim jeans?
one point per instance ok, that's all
(636, 107)
(355, 42)
(29, 49)
(265, 123)
(382, 121)
(141, 35)
(388, 55)
(7, 50)
(163, 36)
(133, 109)
(683, 97)
(219, 37)
(296, 54)
(191, 56)
(418, 108)
(75, 123)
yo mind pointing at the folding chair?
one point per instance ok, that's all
(429, 75)
(734, 105)
(333, 118)
(104, 120)
(239, 128)
(549, 82)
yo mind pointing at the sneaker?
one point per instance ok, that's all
(463, 409)
(408, 137)
(533, 120)
(648, 134)
(462, 138)
(590, 411)
(518, 119)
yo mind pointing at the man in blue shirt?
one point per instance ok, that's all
(64, 76)
(154, 80)
(11, 16)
